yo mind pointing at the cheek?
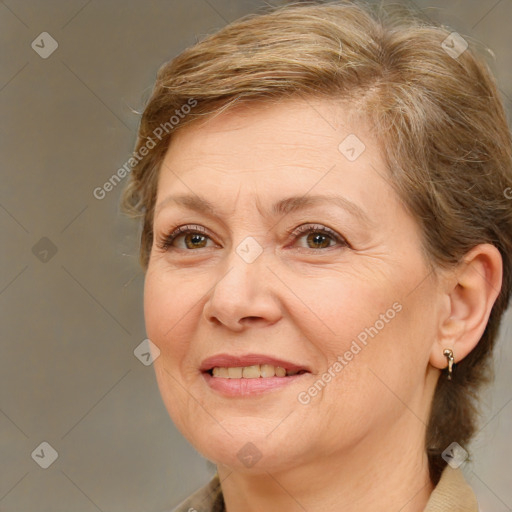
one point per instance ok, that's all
(386, 362)
(374, 373)
(167, 297)
(157, 304)
(378, 329)
(167, 326)
(340, 306)
(166, 309)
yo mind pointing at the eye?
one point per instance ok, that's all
(196, 237)
(317, 236)
(193, 237)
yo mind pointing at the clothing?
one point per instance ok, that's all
(452, 494)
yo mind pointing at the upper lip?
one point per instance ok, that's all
(230, 361)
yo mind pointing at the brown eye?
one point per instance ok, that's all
(317, 240)
(194, 237)
(193, 240)
(318, 237)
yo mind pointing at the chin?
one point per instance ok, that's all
(251, 458)
(245, 448)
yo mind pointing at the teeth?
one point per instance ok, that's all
(267, 370)
(251, 372)
(235, 373)
(220, 372)
(280, 372)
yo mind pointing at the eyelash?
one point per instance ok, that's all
(165, 243)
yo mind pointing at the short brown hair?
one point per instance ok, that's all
(438, 116)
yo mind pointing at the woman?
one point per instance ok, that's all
(328, 245)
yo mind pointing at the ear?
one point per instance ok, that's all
(470, 292)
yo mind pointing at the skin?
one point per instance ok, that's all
(359, 443)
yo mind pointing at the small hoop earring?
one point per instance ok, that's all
(448, 353)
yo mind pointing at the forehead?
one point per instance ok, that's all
(252, 158)
(271, 143)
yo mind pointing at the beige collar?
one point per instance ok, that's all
(452, 494)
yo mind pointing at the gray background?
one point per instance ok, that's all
(71, 320)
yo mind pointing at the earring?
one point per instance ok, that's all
(448, 353)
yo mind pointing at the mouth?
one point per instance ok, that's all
(250, 366)
(255, 371)
(249, 374)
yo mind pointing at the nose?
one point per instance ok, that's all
(244, 295)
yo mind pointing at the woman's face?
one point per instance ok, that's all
(330, 284)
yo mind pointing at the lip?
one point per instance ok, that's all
(248, 387)
(230, 361)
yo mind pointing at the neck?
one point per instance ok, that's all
(385, 473)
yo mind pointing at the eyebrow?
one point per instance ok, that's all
(281, 208)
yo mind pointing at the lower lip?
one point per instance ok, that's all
(246, 387)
